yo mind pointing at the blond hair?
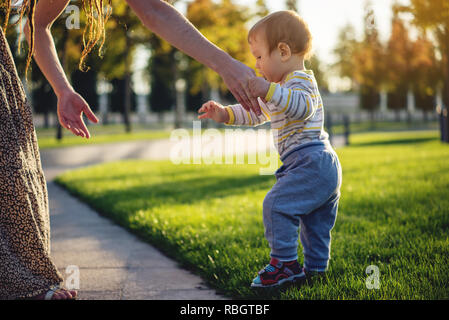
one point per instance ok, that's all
(288, 27)
(95, 27)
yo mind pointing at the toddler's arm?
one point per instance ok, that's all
(231, 115)
(238, 116)
(295, 99)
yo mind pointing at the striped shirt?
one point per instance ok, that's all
(16, 3)
(295, 110)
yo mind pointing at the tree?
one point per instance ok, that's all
(433, 15)
(368, 71)
(162, 68)
(223, 23)
(315, 64)
(397, 65)
(425, 74)
(261, 9)
(345, 52)
(127, 32)
(292, 5)
(43, 97)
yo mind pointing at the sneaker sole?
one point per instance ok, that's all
(293, 278)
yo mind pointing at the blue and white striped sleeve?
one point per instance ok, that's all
(295, 99)
(238, 116)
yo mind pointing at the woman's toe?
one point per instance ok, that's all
(67, 294)
(58, 295)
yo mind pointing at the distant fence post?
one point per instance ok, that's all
(329, 126)
(444, 123)
(347, 129)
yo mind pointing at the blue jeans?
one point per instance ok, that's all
(305, 196)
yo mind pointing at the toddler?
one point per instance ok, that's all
(307, 188)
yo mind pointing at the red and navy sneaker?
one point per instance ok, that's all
(278, 273)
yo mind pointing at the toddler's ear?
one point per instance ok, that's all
(284, 51)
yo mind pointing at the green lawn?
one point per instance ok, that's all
(113, 133)
(367, 126)
(99, 134)
(394, 213)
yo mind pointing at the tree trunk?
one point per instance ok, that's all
(179, 101)
(46, 120)
(127, 105)
(372, 119)
(446, 80)
(160, 117)
(397, 115)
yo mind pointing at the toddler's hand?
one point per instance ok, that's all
(258, 87)
(214, 111)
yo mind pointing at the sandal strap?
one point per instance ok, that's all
(50, 293)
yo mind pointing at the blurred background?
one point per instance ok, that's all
(380, 65)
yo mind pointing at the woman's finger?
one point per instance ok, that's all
(62, 122)
(204, 115)
(240, 100)
(90, 115)
(65, 123)
(71, 127)
(75, 131)
(82, 126)
(255, 106)
(252, 101)
(246, 100)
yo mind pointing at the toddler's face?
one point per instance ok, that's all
(268, 64)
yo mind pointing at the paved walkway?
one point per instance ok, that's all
(112, 263)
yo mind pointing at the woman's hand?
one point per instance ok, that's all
(236, 76)
(258, 87)
(214, 111)
(70, 110)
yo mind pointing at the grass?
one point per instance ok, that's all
(394, 213)
(99, 135)
(384, 126)
(102, 134)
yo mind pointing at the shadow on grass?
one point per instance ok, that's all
(188, 191)
(393, 142)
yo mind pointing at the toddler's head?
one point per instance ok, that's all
(280, 42)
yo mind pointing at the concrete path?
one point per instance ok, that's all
(112, 263)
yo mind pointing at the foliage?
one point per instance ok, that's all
(367, 56)
(345, 52)
(162, 69)
(223, 23)
(292, 5)
(397, 65)
(433, 15)
(315, 64)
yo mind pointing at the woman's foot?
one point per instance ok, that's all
(56, 294)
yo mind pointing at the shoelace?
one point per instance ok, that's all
(270, 268)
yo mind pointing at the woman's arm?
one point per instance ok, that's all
(70, 104)
(164, 20)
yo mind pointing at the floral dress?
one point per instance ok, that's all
(26, 268)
